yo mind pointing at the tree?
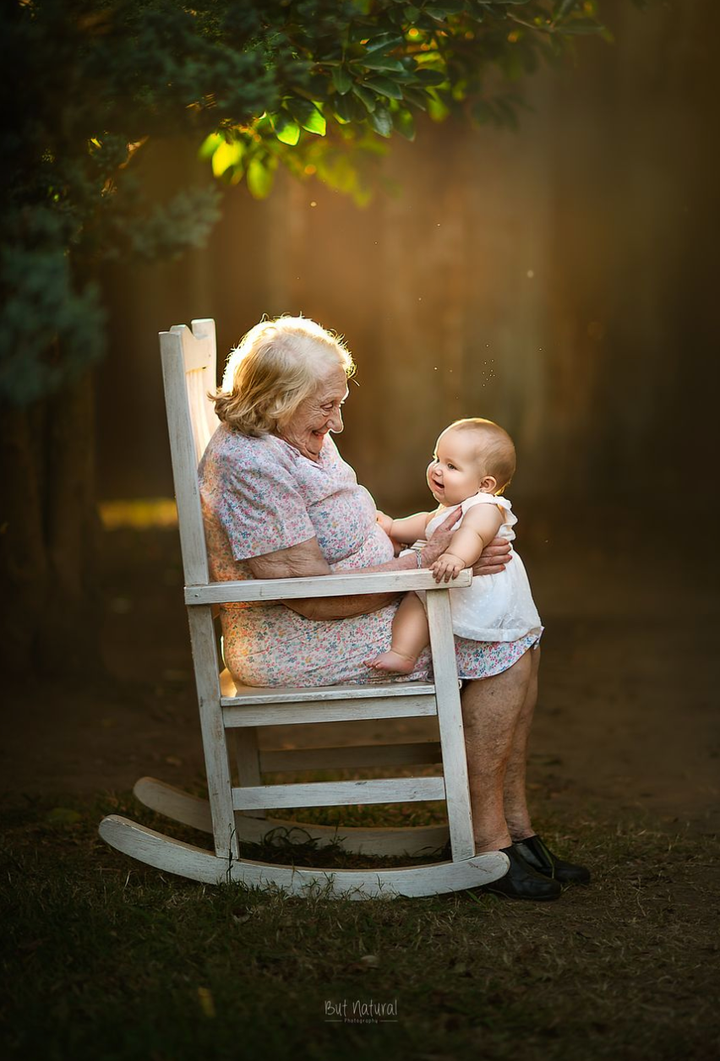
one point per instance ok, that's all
(315, 85)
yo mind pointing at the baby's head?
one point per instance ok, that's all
(471, 456)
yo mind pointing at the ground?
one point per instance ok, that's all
(623, 776)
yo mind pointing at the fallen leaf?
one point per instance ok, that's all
(63, 816)
(207, 1003)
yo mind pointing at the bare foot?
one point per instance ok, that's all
(394, 663)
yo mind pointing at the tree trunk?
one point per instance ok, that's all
(49, 536)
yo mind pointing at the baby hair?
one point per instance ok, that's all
(495, 448)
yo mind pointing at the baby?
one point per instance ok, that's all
(474, 461)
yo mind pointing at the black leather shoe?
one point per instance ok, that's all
(540, 858)
(523, 882)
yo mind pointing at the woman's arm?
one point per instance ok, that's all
(306, 560)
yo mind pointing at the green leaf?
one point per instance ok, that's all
(349, 109)
(412, 13)
(209, 146)
(431, 77)
(342, 105)
(404, 123)
(341, 79)
(563, 8)
(437, 109)
(384, 87)
(307, 115)
(366, 95)
(416, 97)
(286, 130)
(260, 177)
(384, 42)
(381, 121)
(441, 11)
(63, 816)
(227, 155)
(382, 62)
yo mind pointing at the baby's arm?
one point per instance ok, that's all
(409, 529)
(479, 526)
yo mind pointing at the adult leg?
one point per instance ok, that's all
(494, 713)
(526, 842)
(517, 814)
(492, 709)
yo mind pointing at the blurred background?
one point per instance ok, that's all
(559, 280)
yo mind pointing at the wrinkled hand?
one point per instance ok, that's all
(447, 567)
(440, 540)
(494, 558)
(385, 522)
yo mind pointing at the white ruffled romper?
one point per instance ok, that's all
(495, 607)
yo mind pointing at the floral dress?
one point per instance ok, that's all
(260, 495)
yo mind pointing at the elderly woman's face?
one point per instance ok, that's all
(318, 414)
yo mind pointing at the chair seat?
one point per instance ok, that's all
(235, 695)
(282, 705)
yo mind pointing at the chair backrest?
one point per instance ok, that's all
(188, 362)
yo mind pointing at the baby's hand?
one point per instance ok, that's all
(447, 567)
(385, 522)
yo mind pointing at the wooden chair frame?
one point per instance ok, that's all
(235, 813)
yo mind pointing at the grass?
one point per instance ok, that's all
(106, 960)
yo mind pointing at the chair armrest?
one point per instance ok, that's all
(279, 589)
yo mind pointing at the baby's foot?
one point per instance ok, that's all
(394, 663)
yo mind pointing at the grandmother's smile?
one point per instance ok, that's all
(318, 415)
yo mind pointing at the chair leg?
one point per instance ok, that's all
(247, 759)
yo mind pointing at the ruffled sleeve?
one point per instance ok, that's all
(257, 501)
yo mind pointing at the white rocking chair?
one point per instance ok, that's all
(236, 812)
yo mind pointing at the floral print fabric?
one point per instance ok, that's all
(260, 495)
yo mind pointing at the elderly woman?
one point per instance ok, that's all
(279, 502)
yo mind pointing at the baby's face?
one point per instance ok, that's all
(456, 470)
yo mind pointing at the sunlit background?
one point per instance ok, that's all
(560, 280)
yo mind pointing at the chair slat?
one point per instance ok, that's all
(339, 793)
(355, 710)
(351, 584)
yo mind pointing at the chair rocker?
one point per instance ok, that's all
(230, 716)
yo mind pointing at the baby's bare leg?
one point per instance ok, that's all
(409, 637)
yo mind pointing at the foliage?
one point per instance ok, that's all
(316, 85)
(364, 70)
